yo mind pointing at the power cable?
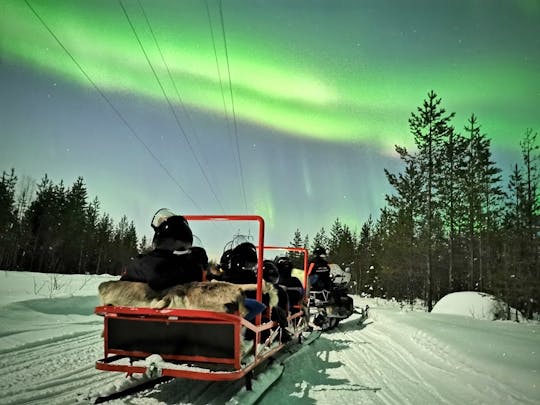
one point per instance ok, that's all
(217, 65)
(184, 109)
(116, 111)
(171, 106)
(232, 104)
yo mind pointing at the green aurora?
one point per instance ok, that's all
(321, 90)
(313, 94)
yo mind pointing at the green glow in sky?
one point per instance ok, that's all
(322, 93)
(296, 88)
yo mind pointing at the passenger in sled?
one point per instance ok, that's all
(172, 260)
(238, 265)
(290, 283)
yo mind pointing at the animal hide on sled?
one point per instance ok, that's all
(217, 296)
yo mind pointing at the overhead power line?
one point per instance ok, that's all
(177, 120)
(179, 97)
(217, 61)
(116, 111)
(232, 105)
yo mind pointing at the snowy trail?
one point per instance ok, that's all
(70, 376)
(383, 361)
(48, 349)
(388, 361)
(69, 369)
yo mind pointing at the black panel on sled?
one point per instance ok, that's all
(172, 338)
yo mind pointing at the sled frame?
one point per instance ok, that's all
(127, 352)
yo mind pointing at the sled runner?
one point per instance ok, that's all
(190, 343)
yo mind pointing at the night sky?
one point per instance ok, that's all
(285, 109)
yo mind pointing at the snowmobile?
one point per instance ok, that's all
(329, 307)
(195, 344)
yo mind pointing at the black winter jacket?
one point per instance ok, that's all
(320, 278)
(163, 269)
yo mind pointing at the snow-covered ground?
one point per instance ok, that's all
(50, 339)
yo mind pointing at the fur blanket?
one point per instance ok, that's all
(218, 296)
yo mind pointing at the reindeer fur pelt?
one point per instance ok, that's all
(218, 296)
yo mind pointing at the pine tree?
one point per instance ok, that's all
(481, 190)
(449, 190)
(429, 127)
(364, 254)
(297, 239)
(320, 240)
(74, 229)
(296, 258)
(530, 151)
(405, 218)
(523, 218)
(8, 216)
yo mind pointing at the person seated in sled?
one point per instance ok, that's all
(280, 312)
(292, 285)
(271, 275)
(319, 277)
(171, 261)
(239, 266)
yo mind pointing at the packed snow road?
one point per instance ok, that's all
(48, 348)
(413, 357)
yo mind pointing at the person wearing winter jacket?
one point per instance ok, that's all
(320, 278)
(292, 285)
(171, 261)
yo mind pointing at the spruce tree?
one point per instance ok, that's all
(429, 126)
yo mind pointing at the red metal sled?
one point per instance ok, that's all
(193, 344)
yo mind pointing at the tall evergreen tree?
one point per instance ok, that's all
(341, 244)
(320, 240)
(8, 216)
(481, 191)
(449, 190)
(364, 254)
(75, 227)
(429, 126)
(405, 213)
(530, 152)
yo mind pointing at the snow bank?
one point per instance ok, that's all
(473, 304)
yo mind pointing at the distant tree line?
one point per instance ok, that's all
(54, 229)
(450, 224)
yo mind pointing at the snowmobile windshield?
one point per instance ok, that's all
(161, 216)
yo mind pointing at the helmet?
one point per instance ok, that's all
(225, 260)
(319, 251)
(242, 257)
(270, 272)
(284, 266)
(172, 228)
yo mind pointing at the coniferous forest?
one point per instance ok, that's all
(451, 223)
(54, 229)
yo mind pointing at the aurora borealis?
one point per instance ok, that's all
(296, 105)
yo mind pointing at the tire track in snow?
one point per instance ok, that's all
(491, 387)
(377, 357)
(409, 356)
(55, 370)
